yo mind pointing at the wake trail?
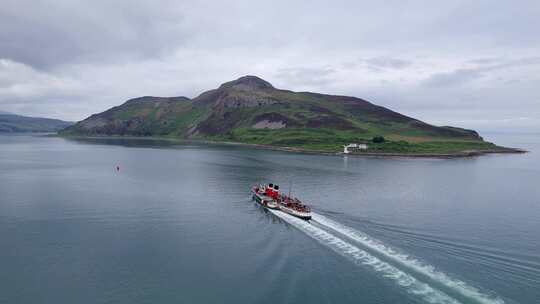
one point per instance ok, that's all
(361, 257)
(454, 285)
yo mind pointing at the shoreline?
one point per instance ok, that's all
(460, 154)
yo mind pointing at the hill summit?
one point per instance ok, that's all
(251, 110)
(248, 83)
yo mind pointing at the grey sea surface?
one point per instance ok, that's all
(176, 224)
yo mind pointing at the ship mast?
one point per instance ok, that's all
(290, 189)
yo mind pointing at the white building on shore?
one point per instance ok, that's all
(354, 146)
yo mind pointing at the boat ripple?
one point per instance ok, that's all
(429, 271)
(361, 257)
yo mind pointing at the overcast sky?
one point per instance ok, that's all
(468, 63)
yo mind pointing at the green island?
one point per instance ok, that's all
(251, 111)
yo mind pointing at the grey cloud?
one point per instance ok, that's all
(515, 63)
(387, 63)
(482, 61)
(44, 34)
(465, 75)
(48, 33)
(498, 23)
(305, 75)
(71, 58)
(377, 64)
(454, 78)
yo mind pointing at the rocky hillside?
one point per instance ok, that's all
(251, 110)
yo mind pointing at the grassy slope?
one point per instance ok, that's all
(143, 118)
(402, 138)
(332, 141)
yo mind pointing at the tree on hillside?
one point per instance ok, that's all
(378, 139)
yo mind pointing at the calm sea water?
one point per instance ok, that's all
(176, 225)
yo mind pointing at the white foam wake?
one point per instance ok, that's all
(361, 257)
(429, 271)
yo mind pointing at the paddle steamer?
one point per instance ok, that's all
(270, 197)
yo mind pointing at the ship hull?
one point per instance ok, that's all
(302, 215)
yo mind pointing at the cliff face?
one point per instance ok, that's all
(250, 109)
